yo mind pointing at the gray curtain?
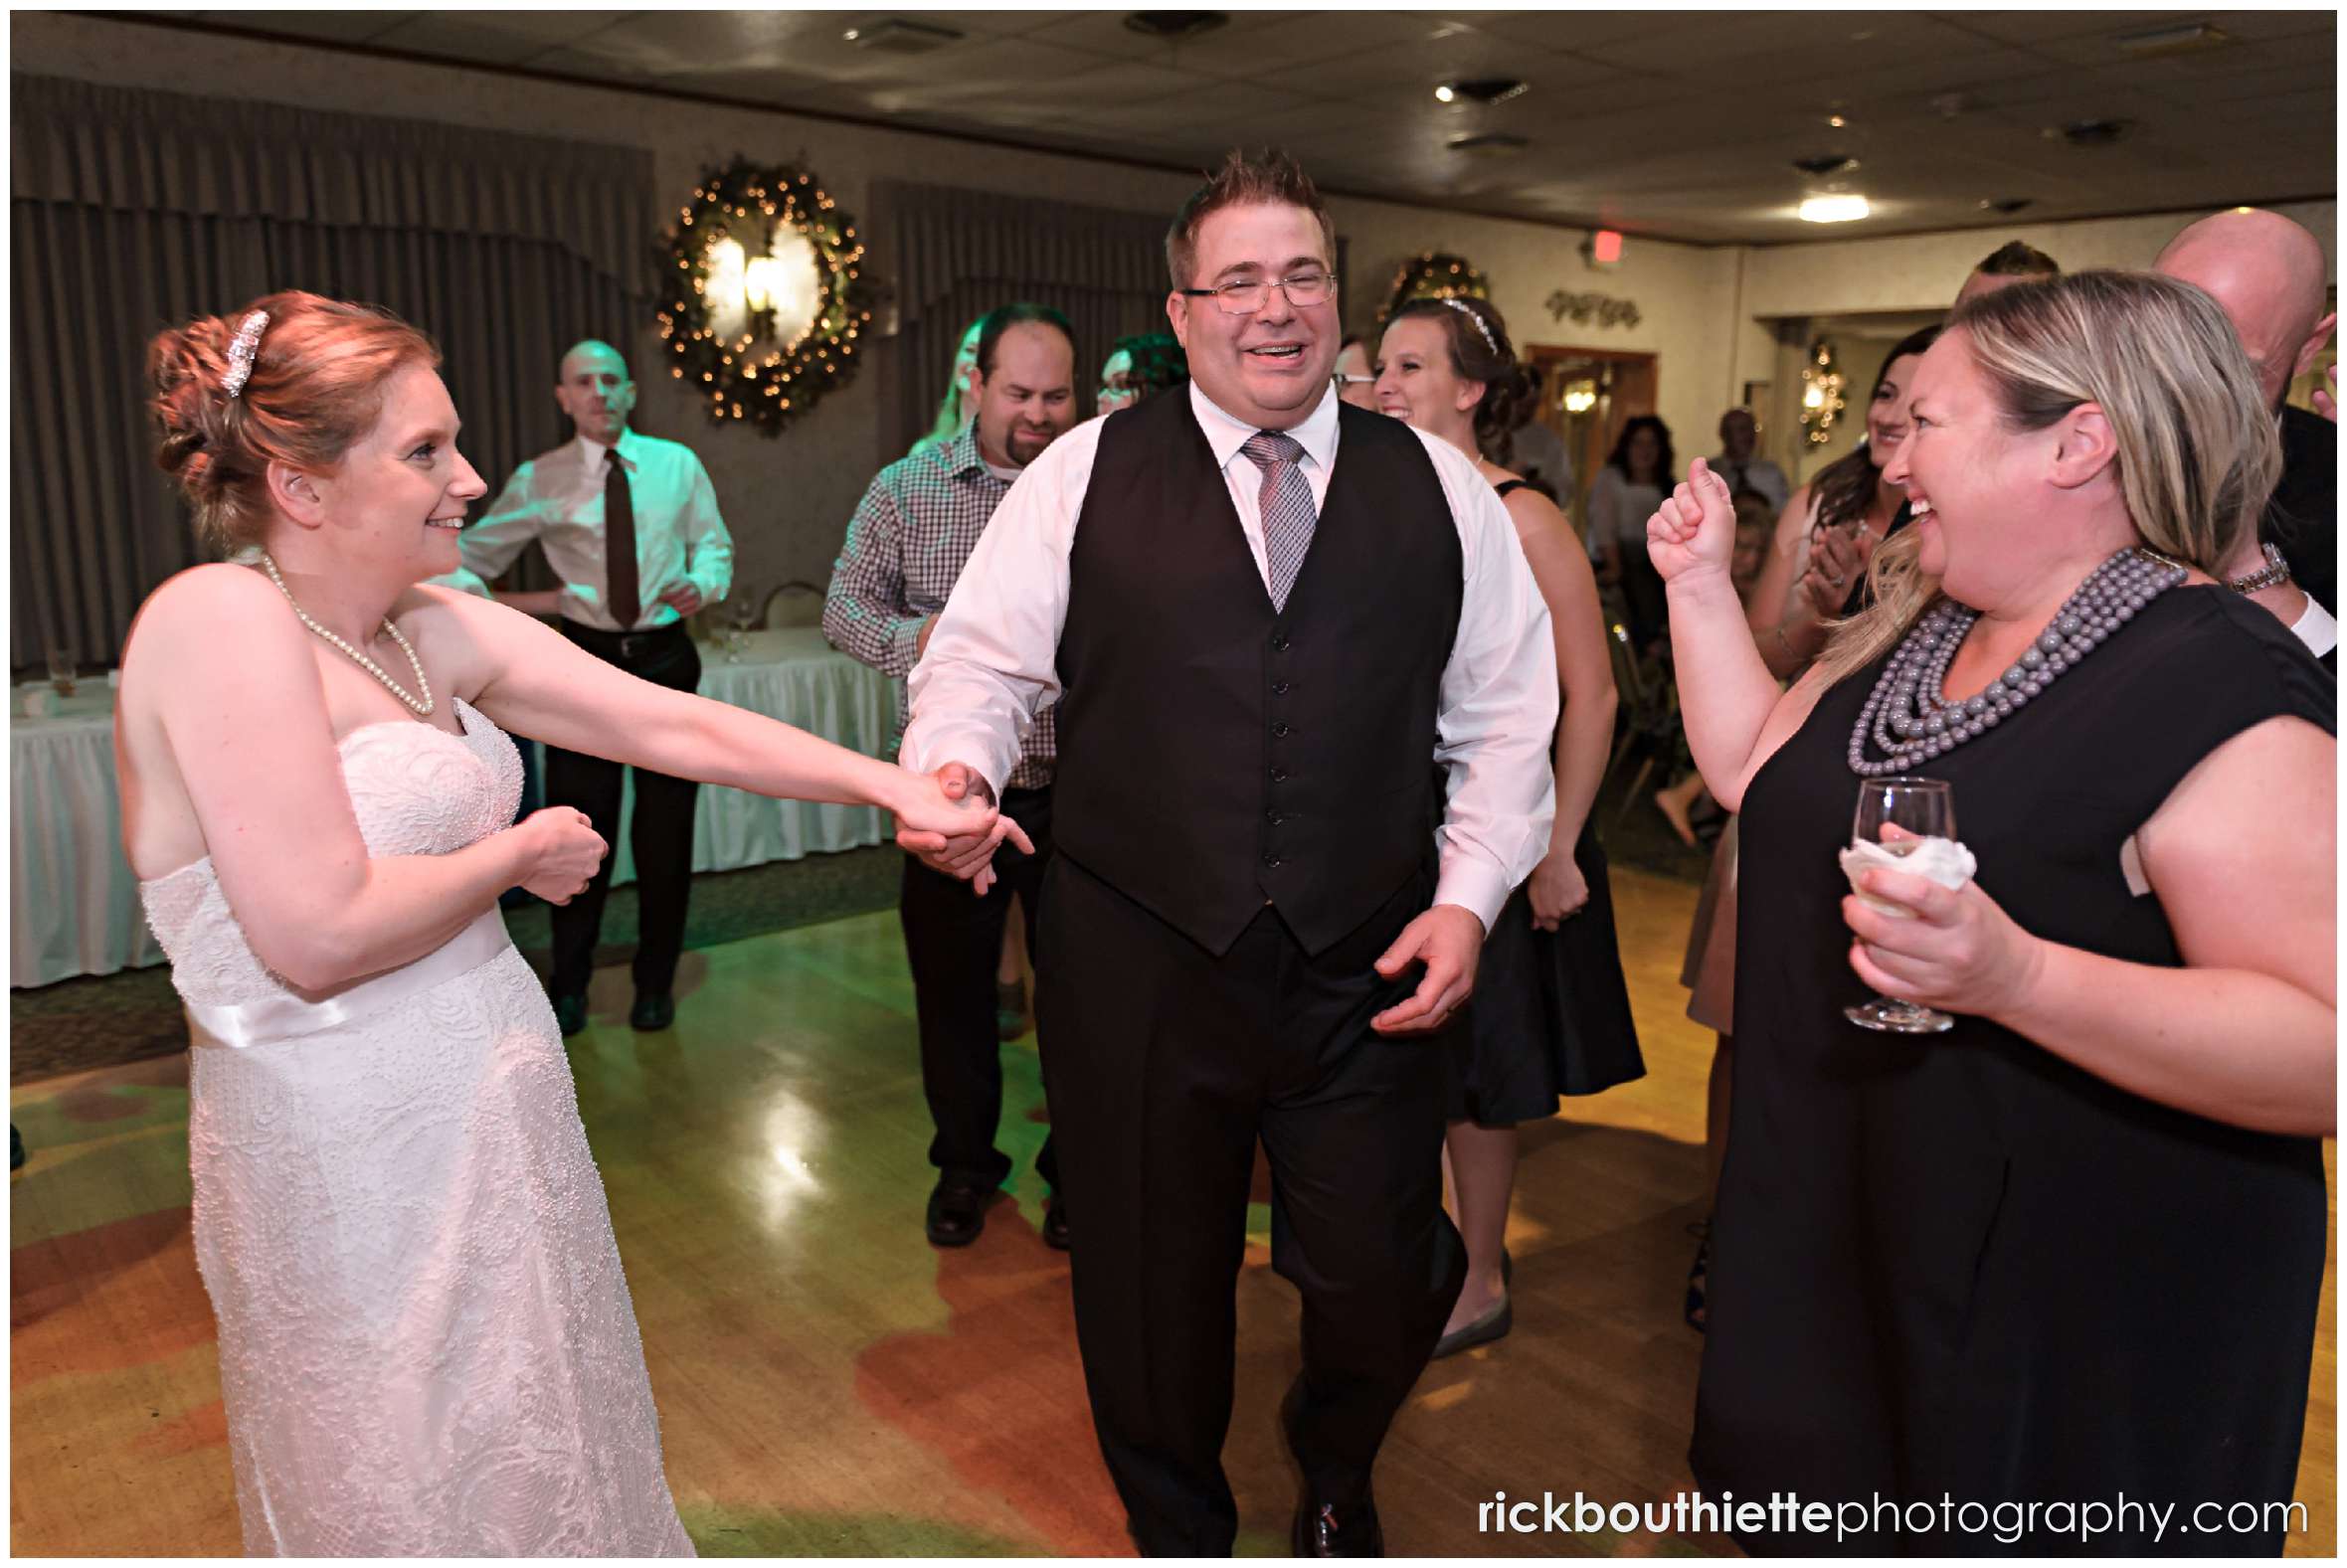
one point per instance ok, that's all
(959, 253)
(134, 209)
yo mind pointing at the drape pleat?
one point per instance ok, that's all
(134, 209)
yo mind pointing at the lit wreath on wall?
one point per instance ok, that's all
(1434, 275)
(769, 302)
(1821, 394)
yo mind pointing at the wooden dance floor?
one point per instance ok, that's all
(830, 1384)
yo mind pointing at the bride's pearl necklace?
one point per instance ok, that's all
(422, 707)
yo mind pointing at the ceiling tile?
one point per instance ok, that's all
(334, 27)
(491, 37)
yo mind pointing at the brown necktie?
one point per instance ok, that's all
(618, 542)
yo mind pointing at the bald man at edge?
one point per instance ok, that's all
(2269, 276)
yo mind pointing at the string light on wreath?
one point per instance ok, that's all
(1822, 384)
(1437, 275)
(770, 300)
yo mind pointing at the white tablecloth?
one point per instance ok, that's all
(796, 676)
(74, 904)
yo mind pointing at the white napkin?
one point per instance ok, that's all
(1941, 860)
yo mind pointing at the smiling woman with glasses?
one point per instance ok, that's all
(1355, 382)
(1140, 367)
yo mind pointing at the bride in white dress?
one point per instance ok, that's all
(425, 1342)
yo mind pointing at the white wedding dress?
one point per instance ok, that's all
(427, 1346)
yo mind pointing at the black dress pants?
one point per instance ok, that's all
(1165, 1064)
(662, 834)
(953, 944)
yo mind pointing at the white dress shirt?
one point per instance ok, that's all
(991, 660)
(2317, 629)
(1754, 473)
(556, 499)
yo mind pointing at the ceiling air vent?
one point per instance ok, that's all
(1826, 163)
(2091, 132)
(1490, 144)
(895, 35)
(2007, 206)
(1175, 24)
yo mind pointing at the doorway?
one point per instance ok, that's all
(1586, 396)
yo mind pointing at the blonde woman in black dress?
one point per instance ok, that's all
(2073, 1247)
(1550, 1014)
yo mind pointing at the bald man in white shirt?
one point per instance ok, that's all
(629, 523)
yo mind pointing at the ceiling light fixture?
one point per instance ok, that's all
(1486, 91)
(1836, 121)
(1834, 208)
(1826, 163)
(2192, 36)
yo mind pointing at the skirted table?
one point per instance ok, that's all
(74, 904)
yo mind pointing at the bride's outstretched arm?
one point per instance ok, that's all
(533, 681)
(233, 684)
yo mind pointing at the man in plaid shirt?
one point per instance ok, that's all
(905, 547)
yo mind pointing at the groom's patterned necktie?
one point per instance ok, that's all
(1285, 504)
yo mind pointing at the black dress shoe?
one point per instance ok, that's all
(1321, 1531)
(958, 1210)
(1055, 1231)
(652, 1010)
(570, 1015)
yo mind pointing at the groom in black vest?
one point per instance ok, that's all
(1268, 617)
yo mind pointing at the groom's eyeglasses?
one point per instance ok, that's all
(1246, 298)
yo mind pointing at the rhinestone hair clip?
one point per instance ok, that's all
(1466, 311)
(240, 352)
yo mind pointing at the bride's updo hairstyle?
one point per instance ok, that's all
(300, 388)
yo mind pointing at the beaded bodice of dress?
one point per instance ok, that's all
(416, 788)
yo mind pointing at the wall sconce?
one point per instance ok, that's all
(1821, 394)
(782, 285)
(761, 281)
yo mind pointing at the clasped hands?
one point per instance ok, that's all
(952, 823)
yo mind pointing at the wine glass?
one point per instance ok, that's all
(744, 608)
(61, 671)
(1922, 808)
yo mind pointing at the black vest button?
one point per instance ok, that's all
(1280, 730)
(1279, 776)
(1271, 862)
(1278, 644)
(1279, 688)
(1274, 818)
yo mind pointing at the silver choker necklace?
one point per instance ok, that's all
(2277, 571)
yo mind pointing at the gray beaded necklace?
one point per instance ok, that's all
(1911, 723)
